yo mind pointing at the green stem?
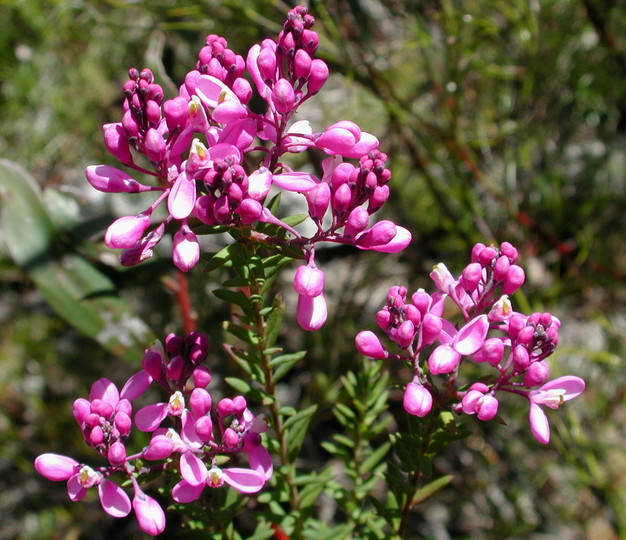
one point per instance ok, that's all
(273, 406)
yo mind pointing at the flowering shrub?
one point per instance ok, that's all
(217, 164)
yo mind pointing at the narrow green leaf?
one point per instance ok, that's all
(430, 489)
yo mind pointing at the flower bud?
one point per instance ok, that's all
(357, 221)
(186, 249)
(318, 200)
(536, 374)
(309, 281)
(417, 399)
(521, 358)
(176, 112)
(201, 377)
(117, 454)
(116, 143)
(126, 231)
(471, 276)
(491, 352)
(200, 402)
(318, 75)
(368, 344)
(283, 96)
(514, 279)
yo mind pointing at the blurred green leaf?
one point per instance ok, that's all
(74, 288)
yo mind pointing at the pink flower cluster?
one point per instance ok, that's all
(515, 345)
(197, 147)
(200, 436)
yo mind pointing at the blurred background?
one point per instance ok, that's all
(503, 120)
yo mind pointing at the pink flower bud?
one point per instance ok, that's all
(152, 363)
(536, 374)
(111, 180)
(368, 344)
(176, 112)
(160, 447)
(283, 96)
(302, 64)
(318, 200)
(174, 368)
(318, 75)
(405, 334)
(514, 279)
(201, 377)
(186, 249)
(230, 438)
(204, 428)
(266, 62)
(501, 268)
(417, 399)
(250, 211)
(116, 143)
(487, 407)
(154, 146)
(341, 175)
(380, 234)
(123, 423)
(200, 402)
(491, 352)
(56, 467)
(509, 250)
(242, 89)
(487, 255)
(117, 454)
(476, 251)
(80, 410)
(309, 281)
(225, 407)
(471, 276)
(341, 199)
(521, 358)
(358, 220)
(431, 328)
(126, 231)
(378, 198)
(239, 405)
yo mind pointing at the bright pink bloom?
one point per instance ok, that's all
(148, 512)
(311, 313)
(552, 394)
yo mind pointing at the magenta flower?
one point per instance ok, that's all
(552, 395)
(455, 344)
(417, 399)
(113, 498)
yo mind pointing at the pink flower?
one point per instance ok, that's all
(113, 498)
(148, 512)
(311, 313)
(552, 394)
(193, 484)
(468, 340)
(368, 344)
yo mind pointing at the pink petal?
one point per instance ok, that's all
(160, 447)
(124, 232)
(111, 180)
(209, 89)
(311, 313)
(443, 360)
(400, 241)
(75, 490)
(150, 417)
(149, 514)
(261, 461)
(223, 151)
(184, 492)
(472, 336)
(182, 197)
(113, 499)
(244, 480)
(366, 144)
(56, 467)
(240, 134)
(295, 181)
(229, 110)
(192, 469)
(105, 390)
(259, 184)
(572, 385)
(136, 385)
(539, 423)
